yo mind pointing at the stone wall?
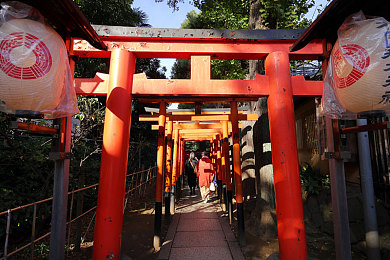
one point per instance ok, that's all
(318, 216)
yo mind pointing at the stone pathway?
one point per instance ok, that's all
(197, 231)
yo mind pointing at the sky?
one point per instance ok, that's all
(160, 15)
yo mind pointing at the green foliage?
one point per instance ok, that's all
(86, 141)
(193, 20)
(197, 146)
(285, 14)
(229, 69)
(87, 67)
(112, 12)
(25, 168)
(151, 67)
(224, 14)
(172, 3)
(227, 14)
(91, 117)
(26, 175)
(181, 69)
(312, 181)
(42, 250)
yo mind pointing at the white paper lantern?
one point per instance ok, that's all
(360, 67)
(31, 65)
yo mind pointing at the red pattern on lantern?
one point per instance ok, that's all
(358, 57)
(43, 60)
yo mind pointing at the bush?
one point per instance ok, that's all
(312, 181)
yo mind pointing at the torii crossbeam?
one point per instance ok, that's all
(198, 126)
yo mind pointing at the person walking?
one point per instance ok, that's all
(205, 172)
(190, 171)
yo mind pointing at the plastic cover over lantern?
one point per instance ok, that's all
(358, 75)
(34, 68)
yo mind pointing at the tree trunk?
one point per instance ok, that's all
(257, 162)
(256, 149)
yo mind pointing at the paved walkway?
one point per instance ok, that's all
(197, 231)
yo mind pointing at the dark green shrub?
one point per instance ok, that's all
(312, 181)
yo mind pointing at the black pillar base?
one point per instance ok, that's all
(241, 224)
(230, 205)
(178, 188)
(219, 183)
(224, 196)
(157, 226)
(167, 203)
(172, 201)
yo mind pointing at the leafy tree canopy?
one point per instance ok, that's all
(113, 12)
(226, 14)
(118, 13)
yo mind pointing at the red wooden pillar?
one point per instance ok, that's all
(217, 153)
(175, 155)
(175, 168)
(212, 151)
(237, 172)
(183, 162)
(229, 192)
(168, 173)
(181, 171)
(223, 160)
(289, 210)
(179, 154)
(219, 168)
(223, 172)
(159, 177)
(178, 173)
(215, 161)
(182, 157)
(109, 213)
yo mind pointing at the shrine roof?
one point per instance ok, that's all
(67, 19)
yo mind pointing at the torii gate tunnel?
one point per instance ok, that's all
(217, 134)
(125, 45)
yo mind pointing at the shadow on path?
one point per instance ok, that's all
(197, 231)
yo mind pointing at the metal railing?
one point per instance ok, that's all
(136, 181)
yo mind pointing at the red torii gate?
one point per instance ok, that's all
(127, 44)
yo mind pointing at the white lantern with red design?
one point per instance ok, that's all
(32, 72)
(361, 65)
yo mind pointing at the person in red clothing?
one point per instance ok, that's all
(205, 172)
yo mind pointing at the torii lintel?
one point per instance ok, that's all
(200, 48)
(205, 118)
